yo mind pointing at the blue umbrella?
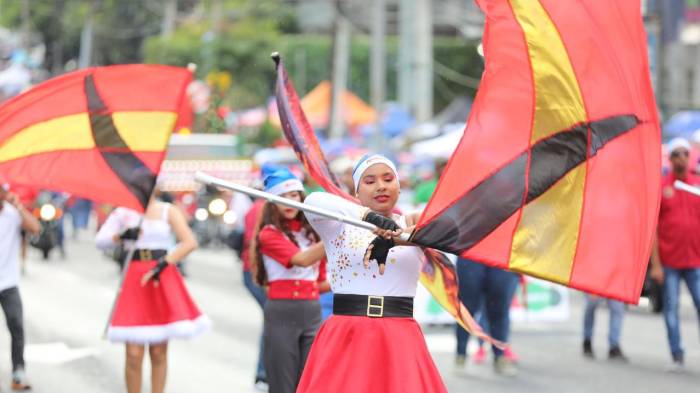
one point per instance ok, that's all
(682, 124)
(395, 119)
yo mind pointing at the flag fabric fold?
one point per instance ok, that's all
(558, 172)
(99, 133)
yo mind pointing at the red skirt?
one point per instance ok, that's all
(370, 355)
(153, 314)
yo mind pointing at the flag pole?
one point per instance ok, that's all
(214, 181)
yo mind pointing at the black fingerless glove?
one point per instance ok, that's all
(381, 221)
(162, 264)
(381, 249)
(130, 234)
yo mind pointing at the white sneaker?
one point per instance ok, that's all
(676, 367)
(261, 386)
(505, 367)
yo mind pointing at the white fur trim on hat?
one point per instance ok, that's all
(365, 163)
(286, 186)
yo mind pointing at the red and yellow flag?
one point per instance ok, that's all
(100, 133)
(558, 172)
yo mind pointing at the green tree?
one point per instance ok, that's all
(57, 24)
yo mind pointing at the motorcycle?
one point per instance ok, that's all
(213, 220)
(49, 211)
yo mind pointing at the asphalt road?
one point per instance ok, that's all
(67, 303)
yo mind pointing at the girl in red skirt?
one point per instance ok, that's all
(153, 305)
(371, 344)
(288, 258)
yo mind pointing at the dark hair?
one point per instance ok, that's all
(270, 215)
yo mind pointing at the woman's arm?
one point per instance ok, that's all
(327, 226)
(324, 286)
(334, 203)
(309, 256)
(656, 270)
(108, 235)
(27, 221)
(186, 240)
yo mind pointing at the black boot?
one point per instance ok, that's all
(616, 354)
(588, 349)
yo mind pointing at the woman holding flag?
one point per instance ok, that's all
(371, 343)
(153, 305)
(288, 258)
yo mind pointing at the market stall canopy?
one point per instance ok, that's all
(440, 147)
(317, 107)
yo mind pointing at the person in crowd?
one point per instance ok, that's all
(342, 169)
(480, 355)
(251, 220)
(154, 305)
(371, 343)
(14, 218)
(617, 315)
(492, 290)
(289, 261)
(676, 251)
(425, 190)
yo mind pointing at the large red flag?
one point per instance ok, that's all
(438, 275)
(100, 133)
(558, 172)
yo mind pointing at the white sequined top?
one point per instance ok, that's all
(345, 248)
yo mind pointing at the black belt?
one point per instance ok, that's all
(148, 255)
(373, 306)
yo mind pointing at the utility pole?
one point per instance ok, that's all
(339, 80)
(56, 64)
(86, 37)
(169, 14)
(378, 67)
(209, 38)
(26, 26)
(424, 60)
(406, 53)
(377, 60)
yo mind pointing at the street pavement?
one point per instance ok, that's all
(67, 302)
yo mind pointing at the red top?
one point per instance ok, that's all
(276, 245)
(249, 224)
(679, 224)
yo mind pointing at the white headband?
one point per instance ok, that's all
(367, 162)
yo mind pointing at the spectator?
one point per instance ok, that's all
(13, 219)
(676, 252)
(617, 314)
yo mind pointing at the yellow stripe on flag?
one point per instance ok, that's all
(142, 131)
(558, 100)
(145, 131)
(63, 133)
(545, 243)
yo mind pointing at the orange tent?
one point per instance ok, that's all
(317, 107)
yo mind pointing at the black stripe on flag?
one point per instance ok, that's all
(133, 173)
(486, 206)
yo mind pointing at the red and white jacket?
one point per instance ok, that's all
(287, 281)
